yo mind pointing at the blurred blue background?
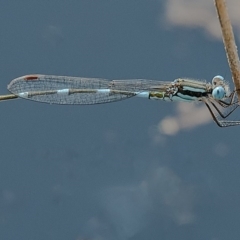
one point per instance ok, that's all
(108, 171)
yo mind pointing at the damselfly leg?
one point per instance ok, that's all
(220, 110)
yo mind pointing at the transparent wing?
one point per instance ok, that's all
(76, 90)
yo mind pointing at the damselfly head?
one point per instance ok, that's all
(220, 88)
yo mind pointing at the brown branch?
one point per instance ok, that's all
(7, 97)
(229, 43)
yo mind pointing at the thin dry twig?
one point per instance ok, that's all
(229, 43)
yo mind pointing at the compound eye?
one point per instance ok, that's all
(217, 80)
(218, 93)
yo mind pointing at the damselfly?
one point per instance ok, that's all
(77, 90)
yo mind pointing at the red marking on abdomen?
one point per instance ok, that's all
(30, 77)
